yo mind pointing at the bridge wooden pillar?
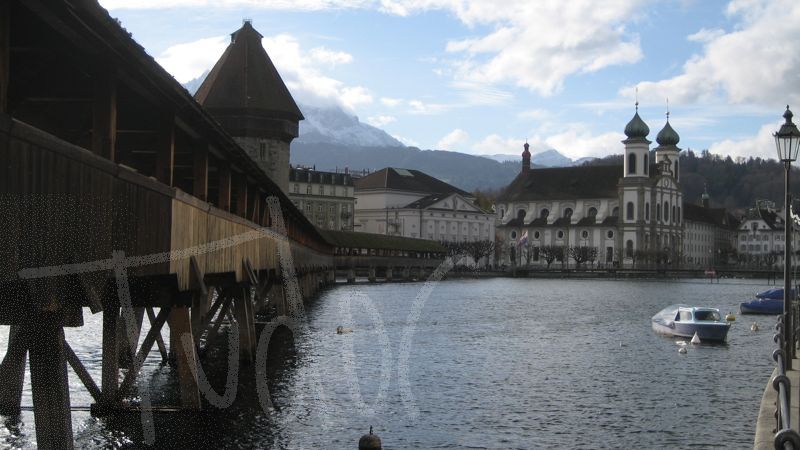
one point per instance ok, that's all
(5, 49)
(12, 372)
(351, 275)
(224, 186)
(244, 316)
(200, 171)
(104, 115)
(406, 273)
(241, 195)
(180, 323)
(371, 274)
(389, 274)
(129, 345)
(165, 153)
(110, 371)
(49, 385)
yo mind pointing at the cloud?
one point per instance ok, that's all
(579, 142)
(757, 62)
(453, 140)
(331, 57)
(536, 44)
(391, 102)
(381, 121)
(292, 5)
(762, 144)
(189, 60)
(497, 145)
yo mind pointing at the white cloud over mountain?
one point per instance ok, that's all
(453, 140)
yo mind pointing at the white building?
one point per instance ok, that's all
(709, 235)
(325, 198)
(400, 202)
(761, 238)
(626, 212)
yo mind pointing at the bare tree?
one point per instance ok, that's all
(550, 253)
(582, 254)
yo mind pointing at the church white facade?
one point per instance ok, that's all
(626, 213)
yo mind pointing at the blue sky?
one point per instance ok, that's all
(482, 76)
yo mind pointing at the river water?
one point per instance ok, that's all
(497, 363)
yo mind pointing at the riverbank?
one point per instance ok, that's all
(765, 425)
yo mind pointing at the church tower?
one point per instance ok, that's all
(667, 149)
(247, 96)
(637, 147)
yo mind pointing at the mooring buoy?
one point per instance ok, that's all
(370, 441)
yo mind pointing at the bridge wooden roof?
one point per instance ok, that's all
(354, 239)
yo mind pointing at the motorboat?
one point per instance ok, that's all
(767, 302)
(686, 321)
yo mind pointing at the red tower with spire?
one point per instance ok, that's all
(526, 159)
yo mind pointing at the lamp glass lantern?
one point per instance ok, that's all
(787, 139)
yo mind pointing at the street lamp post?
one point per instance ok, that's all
(787, 141)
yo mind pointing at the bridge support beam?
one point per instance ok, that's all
(110, 371)
(180, 323)
(129, 346)
(389, 274)
(245, 319)
(351, 275)
(371, 275)
(12, 373)
(49, 385)
(407, 273)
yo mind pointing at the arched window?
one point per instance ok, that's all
(658, 212)
(560, 234)
(536, 235)
(615, 212)
(584, 234)
(502, 212)
(674, 218)
(544, 213)
(629, 248)
(521, 214)
(679, 215)
(513, 235)
(666, 211)
(592, 212)
(647, 211)
(567, 213)
(629, 211)
(610, 234)
(646, 164)
(632, 163)
(676, 169)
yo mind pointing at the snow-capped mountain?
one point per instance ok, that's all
(332, 125)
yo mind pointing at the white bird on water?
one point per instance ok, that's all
(754, 327)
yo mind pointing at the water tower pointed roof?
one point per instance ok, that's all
(636, 128)
(245, 79)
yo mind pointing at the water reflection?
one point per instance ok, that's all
(494, 363)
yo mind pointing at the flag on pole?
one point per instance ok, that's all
(523, 239)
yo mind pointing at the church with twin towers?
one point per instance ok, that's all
(622, 210)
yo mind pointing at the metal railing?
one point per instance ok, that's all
(785, 437)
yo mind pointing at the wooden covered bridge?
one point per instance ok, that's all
(121, 193)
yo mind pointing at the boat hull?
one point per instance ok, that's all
(762, 306)
(666, 322)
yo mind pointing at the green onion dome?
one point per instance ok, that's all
(667, 136)
(636, 128)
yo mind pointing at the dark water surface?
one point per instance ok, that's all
(501, 363)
